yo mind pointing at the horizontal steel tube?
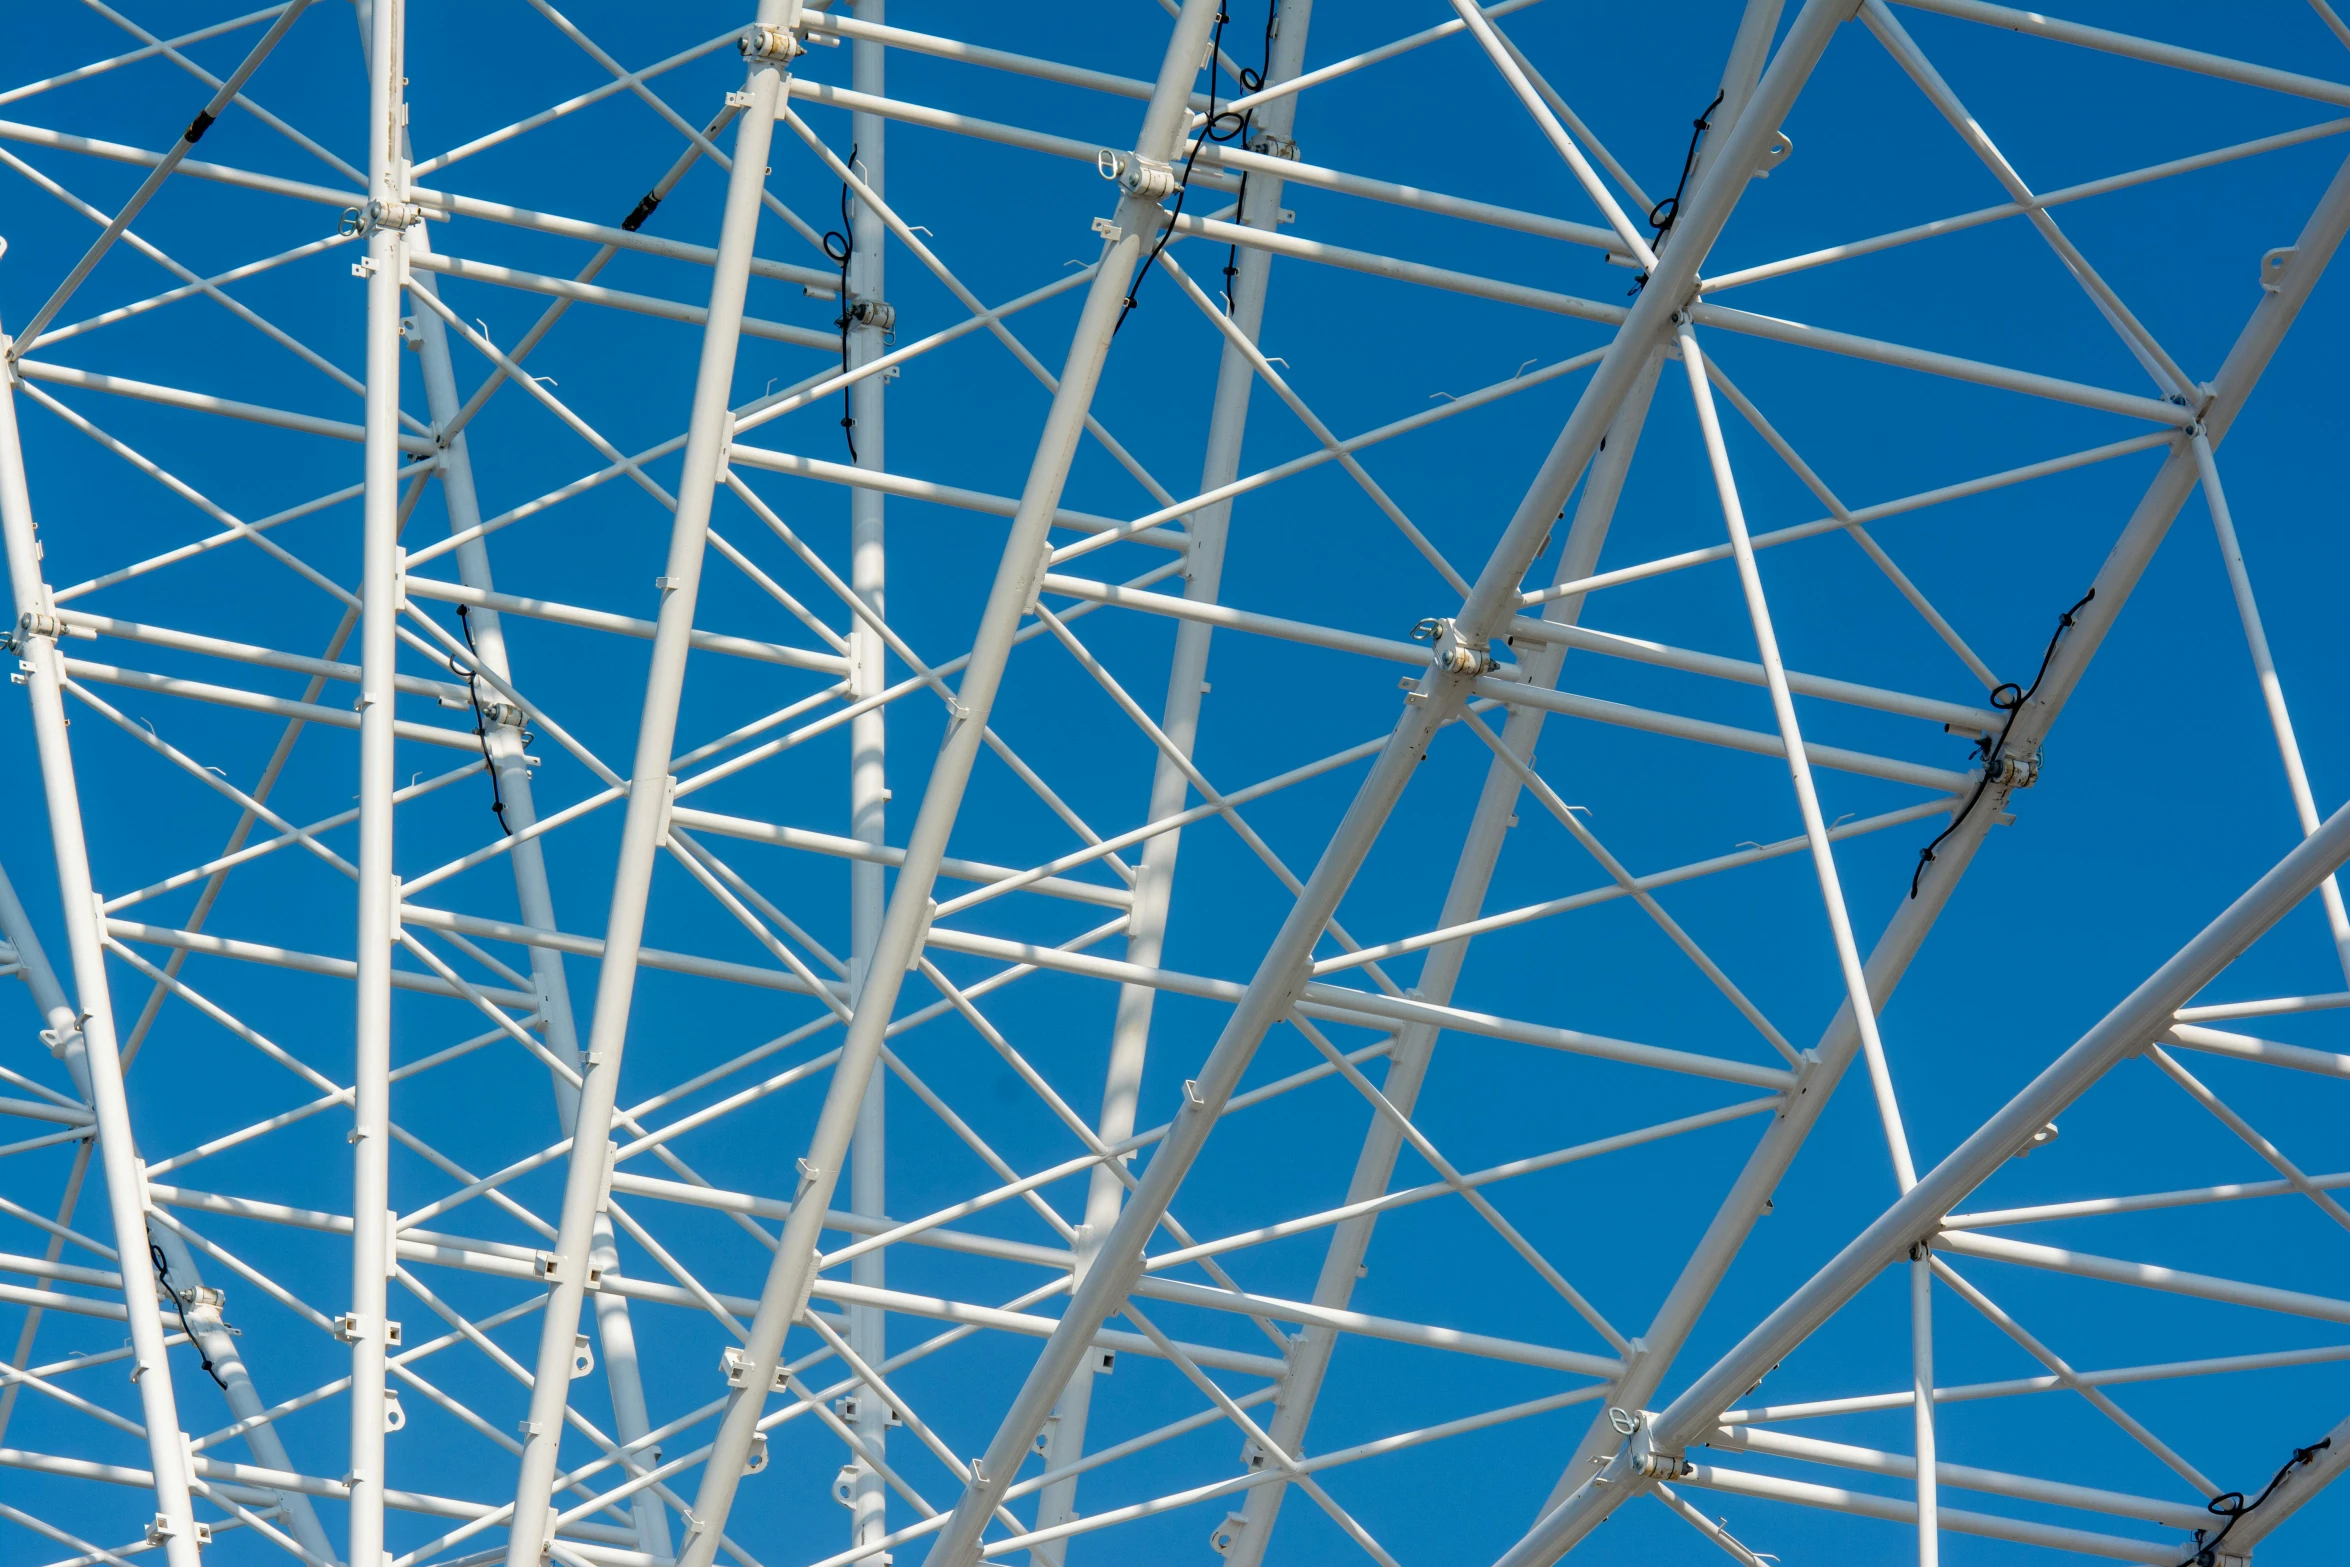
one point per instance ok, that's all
(2174, 1515)
(882, 854)
(1956, 1521)
(1709, 733)
(2144, 1275)
(307, 962)
(202, 402)
(601, 620)
(615, 299)
(942, 494)
(256, 702)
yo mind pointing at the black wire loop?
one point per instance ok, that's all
(481, 731)
(1995, 751)
(1667, 212)
(840, 244)
(1250, 81)
(2232, 1506)
(163, 1277)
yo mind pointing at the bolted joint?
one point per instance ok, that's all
(1652, 1461)
(2015, 772)
(879, 314)
(1451, 650)
(768, 43)
(38, 623)
(1146, 179)
(1273, 146)
(391, 215)
(502, 715)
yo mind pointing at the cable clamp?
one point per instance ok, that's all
(1450, 650)
(763, 41)
(1146, 179)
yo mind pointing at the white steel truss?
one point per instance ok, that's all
(878, 1141)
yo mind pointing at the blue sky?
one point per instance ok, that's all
(2160, 799)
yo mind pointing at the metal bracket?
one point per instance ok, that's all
(1226, 1535)
(1145, 179)
(737, 1367)
(394, 1416)
(163, 1529)
(1450, 650)
(2274, 266)
(583, 1357)
(556, 1269)
(353, 1326)
(762, 41)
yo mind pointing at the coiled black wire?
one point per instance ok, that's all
(2232, 1506)
(1215, 129)
(2009, 699)
(840, 244)
(163, 1277)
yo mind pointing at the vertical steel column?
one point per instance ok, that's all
(1154, 885)
(1147, 179)
(868, 740)
(1415, 1044)
(126, 1189)
(205, 1323)
(1460, 657)
(767, 49)
(372, 1220)
(533, 896)
(1921, 1386)
(2320, 237)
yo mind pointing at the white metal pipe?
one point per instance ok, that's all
(1991, 1482)
(1749, 1197)
(117, 1150)
(767, 53)
(2128, 1028)
(2272, 691)
(202, 1314)
(1921, 1390)
(792, 1274)
(1343, 1259)
(868, 479)
(2134, 48)
(1807, 800)
(1207, 531)
(220, 100)
(864, 340)
(204, 402)
(366, 1327)
(1281, 976)
(1985, 1525)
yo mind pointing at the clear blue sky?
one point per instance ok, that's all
(2161, 796)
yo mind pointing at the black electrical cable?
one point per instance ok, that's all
(1250, 81)
(846, 238)
(2009, 699)
(163, 1277)
(2232, 1506)
(480, 721)
(1665, 213)
(1208, 133)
